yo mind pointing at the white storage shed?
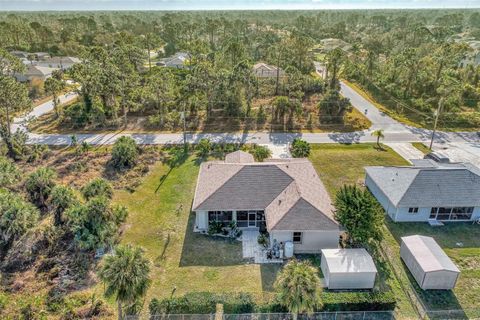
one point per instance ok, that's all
(348, 269)
(428, 263)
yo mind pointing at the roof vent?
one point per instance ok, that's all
(279, 201)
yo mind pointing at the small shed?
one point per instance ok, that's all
(348, 269)
(428, 263)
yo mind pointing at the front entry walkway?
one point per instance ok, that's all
(251, 248)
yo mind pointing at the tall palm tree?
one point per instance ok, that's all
(126, 276)
(298, 287)
(379, 134)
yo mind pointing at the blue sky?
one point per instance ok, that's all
(228, 4)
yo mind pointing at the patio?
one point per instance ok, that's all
(251, 248)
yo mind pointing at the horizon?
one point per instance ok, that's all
(234, 5)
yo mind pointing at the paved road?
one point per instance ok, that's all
(20, 122)
(393, 131)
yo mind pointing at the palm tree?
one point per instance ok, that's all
(126, 276)
(298, 287)
(379, 134)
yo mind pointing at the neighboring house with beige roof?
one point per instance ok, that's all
(263, 70)
(284, 197)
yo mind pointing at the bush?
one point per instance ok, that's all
(241, 302)
(204, 147)
(300, 148)
(16, 217)
(9, 173)
(124, 153)
(263, 240)
(62, 198)
(97, 187)
(260, 153)
(39, 185)
(95, 224)
(215, 228)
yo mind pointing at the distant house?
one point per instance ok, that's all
(472, 57)
(427, 191)
(35, 72)
(263, 70)
(179, 60)
(330, 44)
(284, 197)
(20, 54)
(41, 55)
(63, 63)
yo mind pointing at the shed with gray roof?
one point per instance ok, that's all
(284, 197)
(427, 191)
(428, 263)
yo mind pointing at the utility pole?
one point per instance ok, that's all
(437, 113)
(184, 126)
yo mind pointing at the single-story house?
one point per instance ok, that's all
(428, 263)
(263, 70)
(179, 60)
(63, 63)
(35, 72)
(42, 55)
(330, 44)
(20, 54)
(282, 196)
(348, 269)
(427, 191)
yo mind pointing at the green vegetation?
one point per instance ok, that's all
(260, 153)
(124, 153)
(300, 148)
(422, 147)
(97, 187)
(358, 211)
(39, 185)
(298, 287)
(126, 276)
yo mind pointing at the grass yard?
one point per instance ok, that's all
(339, 164)
(160, 221)
(343, 164)
(461, 242)
(422, 147)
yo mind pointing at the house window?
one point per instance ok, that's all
(297, 237)
(413, 210)
(225, 217)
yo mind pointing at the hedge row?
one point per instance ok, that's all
(237, 303)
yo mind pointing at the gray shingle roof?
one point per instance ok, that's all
(437, 185)
(290, 192)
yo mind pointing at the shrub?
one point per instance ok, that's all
(204, 147)
(300, 148)
(39, 185)
(97, 187)
(38, 152)
(16, 216)
(94, 224)
(9, 173)
(62, 198)
(215, 227)
(124, 153)
(260, 153)
(263, 240)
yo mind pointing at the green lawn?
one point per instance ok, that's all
(343, 164)
(422, 147)
(461, 242)
(160, 221)
(339, 164)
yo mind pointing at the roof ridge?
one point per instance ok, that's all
(216, 189)
(299, 197)
(406, 190)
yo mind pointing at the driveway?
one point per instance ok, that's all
(461, 151)
(406, 150)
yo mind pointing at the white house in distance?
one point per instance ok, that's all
(263, 70)
(284, 197)
(428, 263)
(348, 269)
(427, 191)
(35, 72)
(63, 63)
(179, 60)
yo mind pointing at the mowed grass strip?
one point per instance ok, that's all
(160, 221)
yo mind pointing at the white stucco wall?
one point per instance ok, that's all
(312, 241)
(381, 197)
(201, 220)
(403, 215)
(355, 280)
